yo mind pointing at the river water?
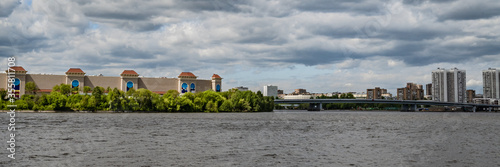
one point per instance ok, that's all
(280, 138)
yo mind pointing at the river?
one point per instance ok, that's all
(280, 138)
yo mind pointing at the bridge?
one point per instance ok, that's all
(408, 105)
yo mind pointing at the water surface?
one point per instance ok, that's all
(281, 138)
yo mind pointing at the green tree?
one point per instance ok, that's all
(65, 89)
(226, 106)
(87, 89)
(31, 87)
(56, 88)
(3, 94)
(211, 107)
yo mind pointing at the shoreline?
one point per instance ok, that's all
(103, 111)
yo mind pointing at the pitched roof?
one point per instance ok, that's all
(129, 72)
(186, 74)
(216, 76)
(17, 68)
(75, 70)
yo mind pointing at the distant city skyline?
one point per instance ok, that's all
(321, 46)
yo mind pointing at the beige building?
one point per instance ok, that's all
(471, 94)
(412, 91)
(375, 93)
(185, 82)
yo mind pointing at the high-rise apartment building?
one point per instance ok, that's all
(412, 91)
(375, 93)
(270, 90)
(491, 84)
(449, 85)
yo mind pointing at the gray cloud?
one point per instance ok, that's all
(221, 35)
(472, 10)
(7, 6)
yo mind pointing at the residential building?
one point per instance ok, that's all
(291, 96)
(375, 93)
(412, 91)
(471, 94)
(280, 92)
(300, 92)
(428, 89)
(241, 88)
(491, 83)
(270, 90)
(449, 85)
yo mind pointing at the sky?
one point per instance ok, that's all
(319, 45)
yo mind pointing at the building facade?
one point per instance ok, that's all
(412, 91)
(428, 89)
(300, 92)
(471, 95)
(241, 88)
(449, 85)
(128, 79)
(375, 93)
(270, 90)
(491, 83)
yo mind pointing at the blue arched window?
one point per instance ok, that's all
(130, 85)
(217, 88)
(75, 83)
(193, 88)
(16, 86)
(184, 87)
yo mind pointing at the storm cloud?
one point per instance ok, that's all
(163, 38)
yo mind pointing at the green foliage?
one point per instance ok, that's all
(65, 89)
(3, 95)
(61, 98)
(87, 89)
(31, 87)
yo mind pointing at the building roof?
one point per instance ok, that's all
(45, 90)
(159, 92)
(75, 71)
(216, 76)
(129, 72)
(17, 68)
(186, 74)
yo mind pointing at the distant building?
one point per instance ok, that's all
(428, 89)
(300, 92)
(298, 97)
(360, 95)
(280, 92)
(449, 85)
(491, 83)
(412, 91)
(375, 93)
(482, 101)
(271, 91)
(241, 88)
(471, 94)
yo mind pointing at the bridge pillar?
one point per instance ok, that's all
(414, 107)
(489, 109)
(320, 106)
(474, 109)
(404, 107)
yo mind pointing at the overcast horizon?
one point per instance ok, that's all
(319, 45)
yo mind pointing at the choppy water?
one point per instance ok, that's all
(254, 139)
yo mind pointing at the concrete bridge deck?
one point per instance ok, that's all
(407, 104)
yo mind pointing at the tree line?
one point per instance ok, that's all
(64, 98)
